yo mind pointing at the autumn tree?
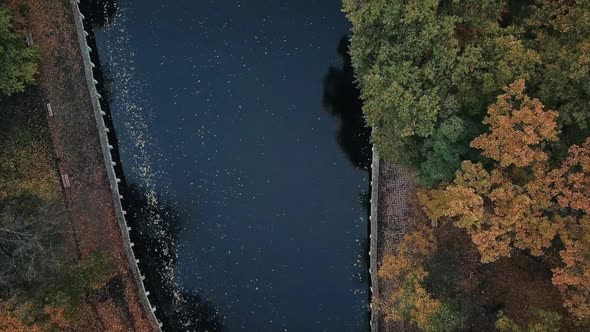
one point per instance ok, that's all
(573, 277)
(18, 63)
(508, 206)
(403, 296)
(573, 184)
(427, 71)
(18, 315)
(572, 191)
(516, 200)
(402, 275)
(56, 303)
(11, 322)
(519, 125)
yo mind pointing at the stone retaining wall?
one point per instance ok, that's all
(373, 236)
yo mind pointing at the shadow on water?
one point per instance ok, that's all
(342, 99)
(99, 12)
(155, 231)
(155, 227)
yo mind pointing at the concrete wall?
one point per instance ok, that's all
(109, 164)
(373, 255)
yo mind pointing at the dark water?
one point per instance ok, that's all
(241, 140)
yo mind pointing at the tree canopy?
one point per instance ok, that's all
(540, 321)
(428, 70)
(488, 101)
(18, 63)
(507, 206)
(405, 271)
(403, 294)
(516, 199)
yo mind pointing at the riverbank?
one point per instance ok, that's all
(86, 185)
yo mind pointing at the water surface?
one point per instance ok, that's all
(218, 106)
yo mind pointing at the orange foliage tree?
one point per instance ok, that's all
(10, 322)
(508, 206)
(401, 276)
(517, 200)
(518, 127)
(572, 190)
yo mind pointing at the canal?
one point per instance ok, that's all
(244, 157)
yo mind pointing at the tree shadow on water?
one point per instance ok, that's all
(155, 227)
(155, 230)
(99, 12)
(342, 99)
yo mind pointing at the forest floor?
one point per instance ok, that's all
(77, 153)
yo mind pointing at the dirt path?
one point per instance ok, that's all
(77, 147)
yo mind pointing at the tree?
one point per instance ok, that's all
(435, 203)
(519, 126)
(572, 191)
(540, 321)
(57, 303)
(572, 278)
(560, 32)
(18, 63)
(411, 63)
(443, 151)
(401, 275)
(427, 71)
(424, 65)
(506, 207)
(573, 183)
(26, 167)
(30, 242)
(447, 319)
(522, 202)
(10, 322)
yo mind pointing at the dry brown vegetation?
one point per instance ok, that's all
(68, 143)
